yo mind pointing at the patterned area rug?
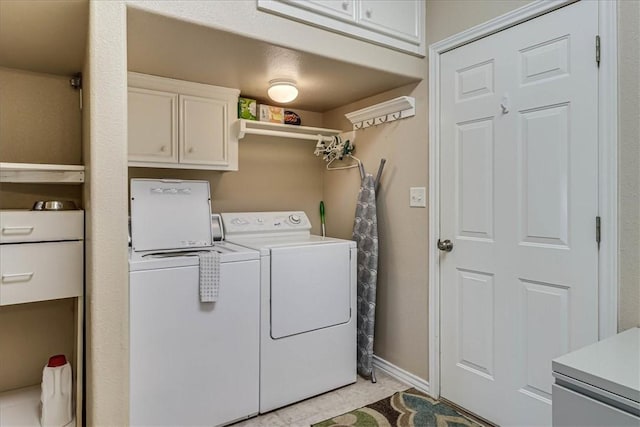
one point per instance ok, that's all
(410, 408)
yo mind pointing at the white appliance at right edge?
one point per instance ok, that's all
(307, 305)
(599, 385)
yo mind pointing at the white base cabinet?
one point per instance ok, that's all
(42, 258)
(179, 124)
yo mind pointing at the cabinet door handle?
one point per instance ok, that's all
(191, 150)
(17, 230)
(17, 277)
(368, 13)
(163, 148)
(345, 5)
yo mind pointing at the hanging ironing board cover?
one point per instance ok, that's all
(365, 233)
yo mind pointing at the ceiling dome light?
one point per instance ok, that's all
(282, 90)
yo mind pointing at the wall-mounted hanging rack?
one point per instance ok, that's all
(252, 127)
(385, 112)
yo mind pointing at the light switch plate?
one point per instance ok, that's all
(418, 197)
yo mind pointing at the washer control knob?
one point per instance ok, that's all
(295, 219)
(259, 220)
(239, 221)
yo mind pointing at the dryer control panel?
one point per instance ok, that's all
(265, 222)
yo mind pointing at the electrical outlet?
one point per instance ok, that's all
(418, 197)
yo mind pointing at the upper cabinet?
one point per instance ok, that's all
(179, 124)
(398, 24)
(345, 10)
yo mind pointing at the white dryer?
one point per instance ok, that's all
(308, 305)
(191, 363)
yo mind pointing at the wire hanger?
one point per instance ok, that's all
(337, 150)
(358, 164)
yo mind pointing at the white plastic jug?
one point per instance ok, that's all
(56, 393)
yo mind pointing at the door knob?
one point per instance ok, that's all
(446, 245)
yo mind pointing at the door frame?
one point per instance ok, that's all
(607, 159)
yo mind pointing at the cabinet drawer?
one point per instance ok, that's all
(40, 226)
(40, 271)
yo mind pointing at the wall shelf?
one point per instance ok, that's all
(41, 173)
(252, 127)
(384, 112)
(21, 407)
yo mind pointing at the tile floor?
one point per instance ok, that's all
(328, 405)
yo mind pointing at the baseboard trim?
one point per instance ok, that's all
(401, 375)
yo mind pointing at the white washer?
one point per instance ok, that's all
(191, 363)
(599, 385)
(308, 305)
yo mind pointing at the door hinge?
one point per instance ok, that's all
(76, 83)
(598, 50)
(598, 235)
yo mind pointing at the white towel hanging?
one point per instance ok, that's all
(209, 275)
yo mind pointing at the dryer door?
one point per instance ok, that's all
(310, 288)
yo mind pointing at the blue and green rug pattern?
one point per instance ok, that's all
(410, 408)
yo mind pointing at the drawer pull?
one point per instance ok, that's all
(17, 230)
(17, 277)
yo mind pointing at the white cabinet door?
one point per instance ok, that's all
(153, 130)
(341, 9)
(202, 130)
(399, 18)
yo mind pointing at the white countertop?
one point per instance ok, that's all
(612, 364)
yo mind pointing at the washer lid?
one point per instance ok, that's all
(170, 214)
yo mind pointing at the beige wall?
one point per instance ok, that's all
(105, 157)
(402, 315)
(446, 18)
(629, 163)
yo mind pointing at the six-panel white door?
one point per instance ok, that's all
(519, 164)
